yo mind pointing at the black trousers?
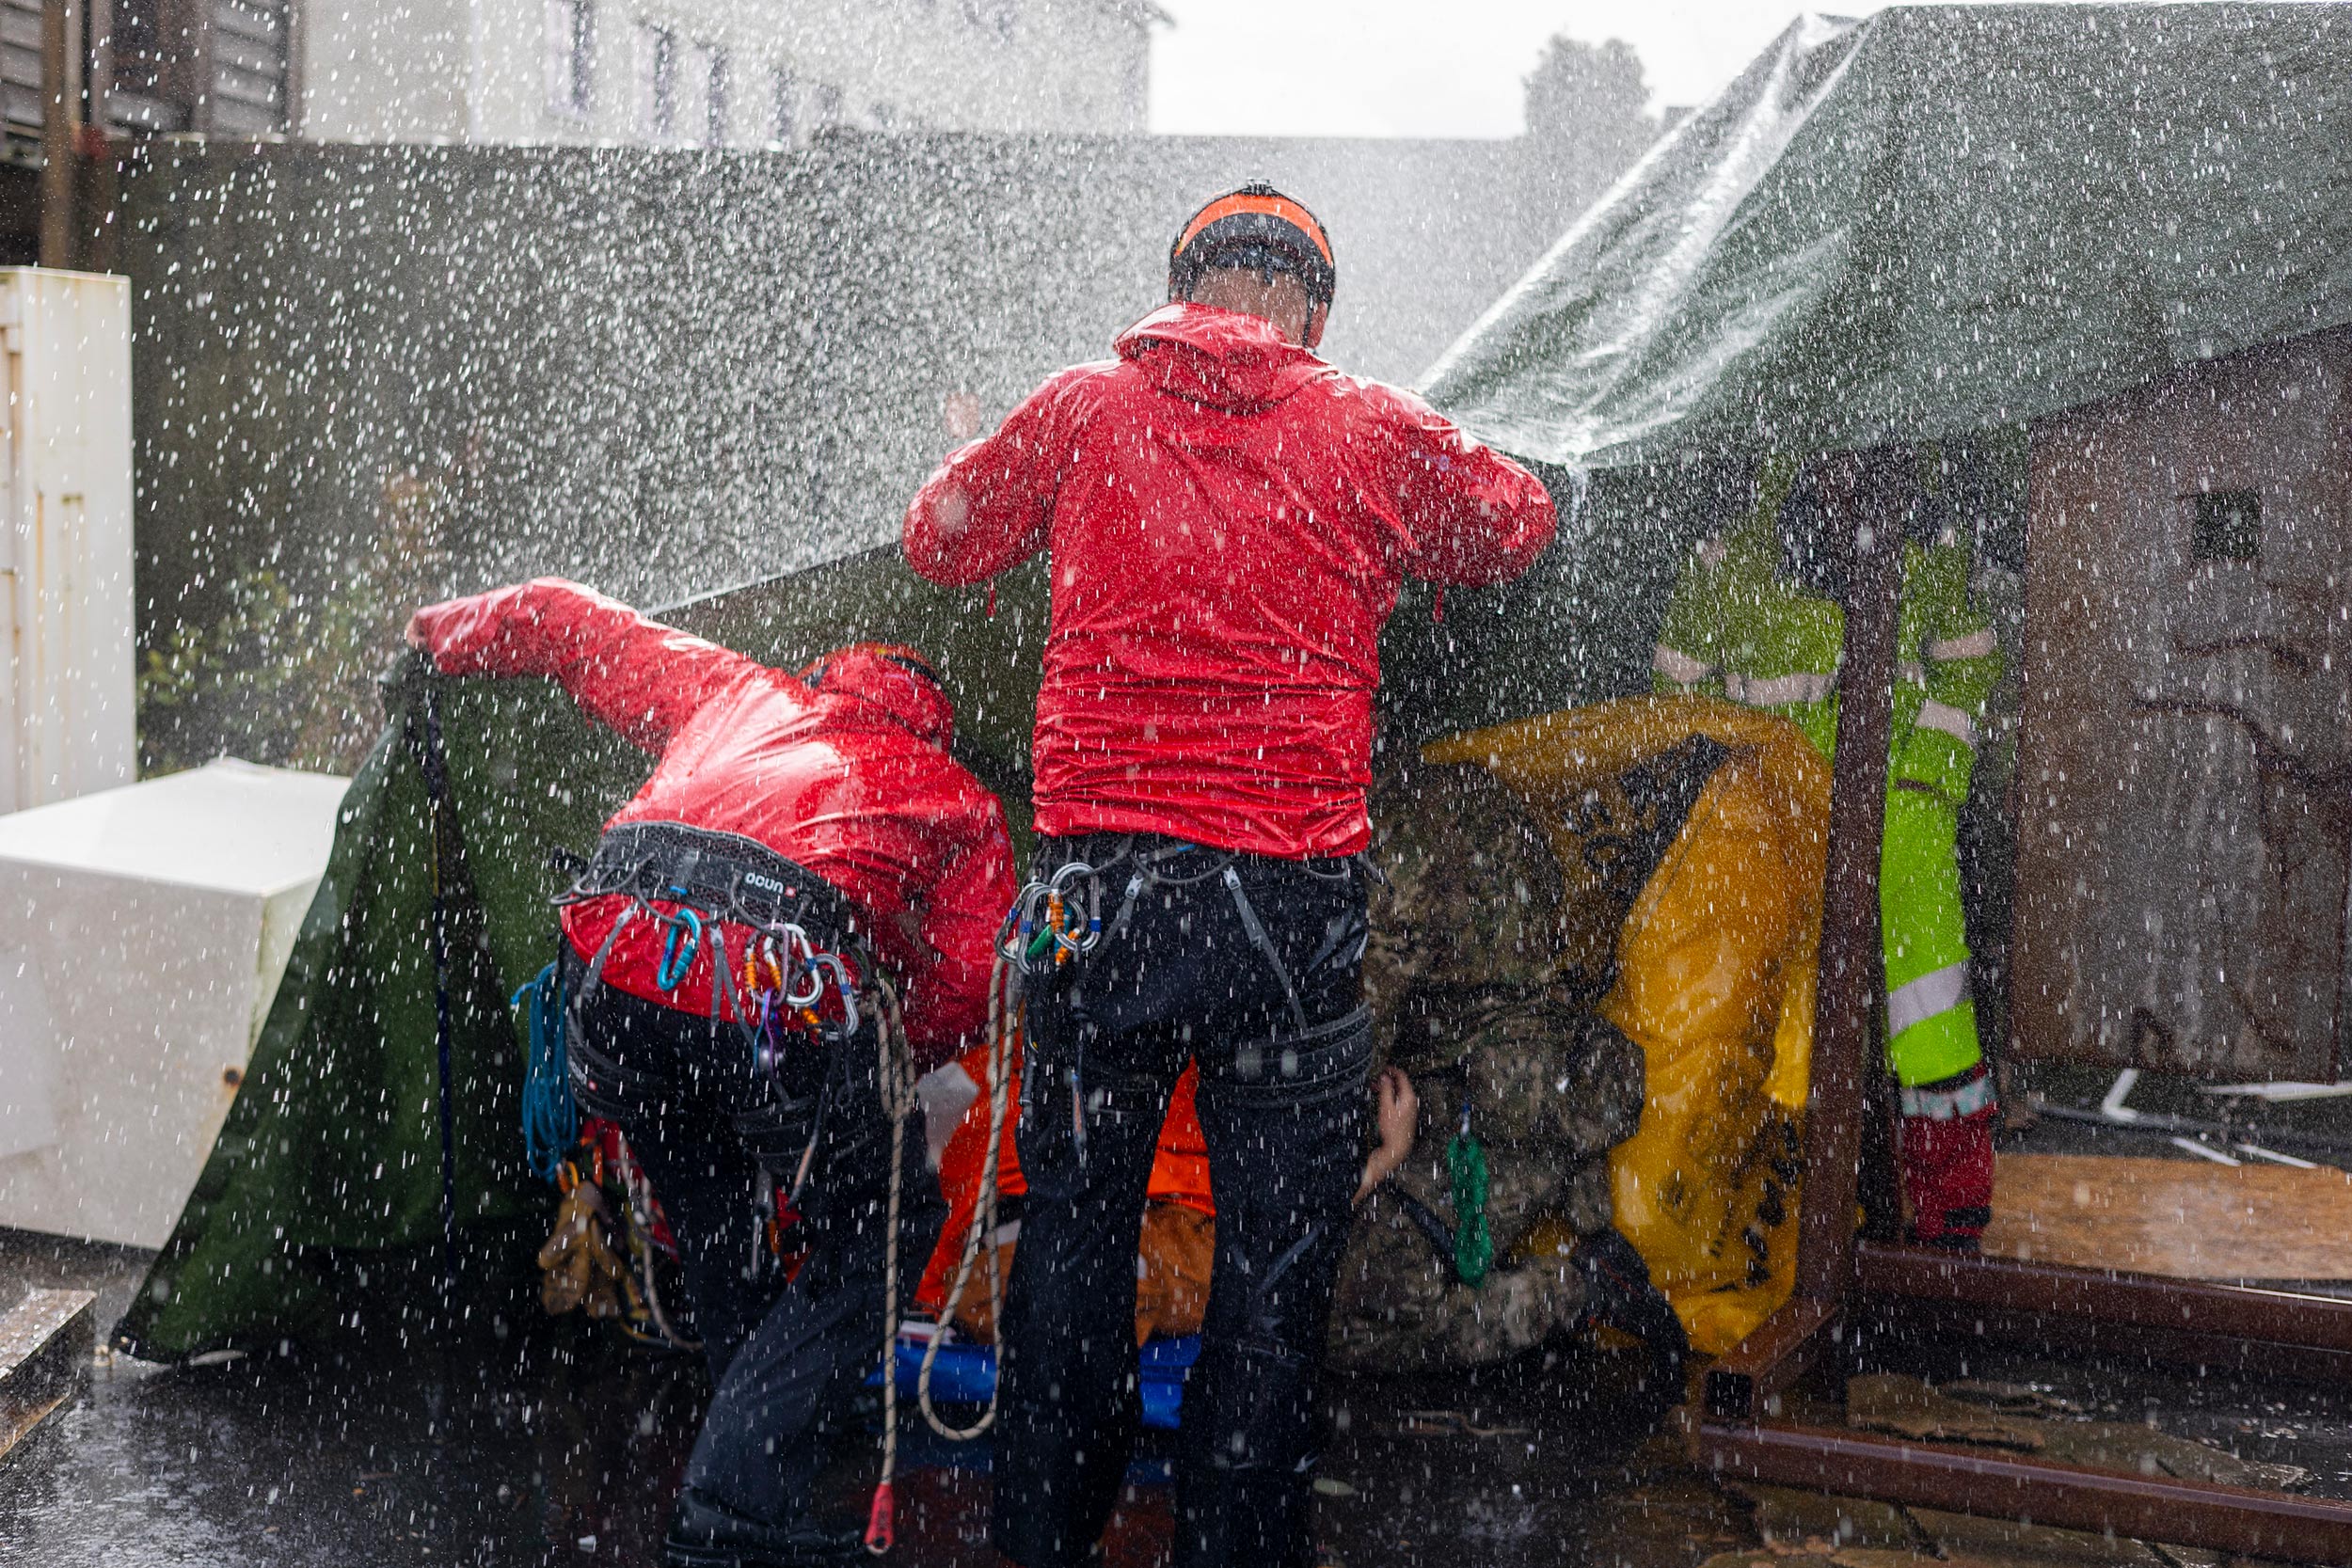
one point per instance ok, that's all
(1253, 968)
(708, 1130)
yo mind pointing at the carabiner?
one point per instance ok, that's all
(680, 948)
(850, 1015)
(1059, 890)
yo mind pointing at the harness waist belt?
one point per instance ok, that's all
(1306, 1069)
(726, 876)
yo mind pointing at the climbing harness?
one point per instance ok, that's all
(709, 881)
(1056, 923)
(792, 992)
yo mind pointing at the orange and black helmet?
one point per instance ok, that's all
(1259, 228)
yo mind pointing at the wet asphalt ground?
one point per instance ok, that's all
(567, 1450)
(558, 1446)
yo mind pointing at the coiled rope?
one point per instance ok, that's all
(551, 1117)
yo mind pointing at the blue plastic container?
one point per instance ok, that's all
(966, 1374)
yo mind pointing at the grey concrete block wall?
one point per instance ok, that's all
(668, 371)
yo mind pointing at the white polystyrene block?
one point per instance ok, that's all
(154, 924)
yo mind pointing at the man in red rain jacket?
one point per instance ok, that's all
(788, 816)
(1230, 521)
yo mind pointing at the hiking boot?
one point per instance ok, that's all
(707, 1533)
(1618, 1295)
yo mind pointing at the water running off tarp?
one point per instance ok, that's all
(1935, 220)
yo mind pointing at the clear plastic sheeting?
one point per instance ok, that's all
(1938, 220)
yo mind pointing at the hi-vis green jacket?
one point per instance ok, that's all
(1735, 629)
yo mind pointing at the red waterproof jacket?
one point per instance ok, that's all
(1229, 520)
(852, 779)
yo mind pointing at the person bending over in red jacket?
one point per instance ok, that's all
(797, 829)
(1229, 520)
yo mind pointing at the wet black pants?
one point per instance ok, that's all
(785, 1359)
(1283, 1048)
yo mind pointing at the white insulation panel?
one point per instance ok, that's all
(143, 932)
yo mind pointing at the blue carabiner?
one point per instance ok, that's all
(680, 949)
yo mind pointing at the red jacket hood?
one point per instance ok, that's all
(878, 672)
(1222, 358)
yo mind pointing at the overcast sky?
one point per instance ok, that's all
(1425, 68)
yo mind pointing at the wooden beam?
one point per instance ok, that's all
(46, 1340)
(1747, 1382)
(1869, 512)
(60, 129)
(2232, 1328)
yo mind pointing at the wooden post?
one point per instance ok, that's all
(60, 129)
(1852, 973)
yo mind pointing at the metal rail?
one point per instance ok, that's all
(2232, 1519)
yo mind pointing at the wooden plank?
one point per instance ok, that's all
(1746, 1384)
(2183, 1219)
(45, 1345)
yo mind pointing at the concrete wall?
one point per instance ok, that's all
(481, 69)
(2184, 769)
(670, 372)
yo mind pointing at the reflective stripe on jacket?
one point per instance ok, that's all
(1758, 641)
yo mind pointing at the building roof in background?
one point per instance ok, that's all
(1937, 219)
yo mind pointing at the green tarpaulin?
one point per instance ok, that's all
(1934, 221)
(320, 1207)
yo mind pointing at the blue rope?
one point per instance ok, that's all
(550, 1120)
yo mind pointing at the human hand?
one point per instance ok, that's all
(1397, 1112)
